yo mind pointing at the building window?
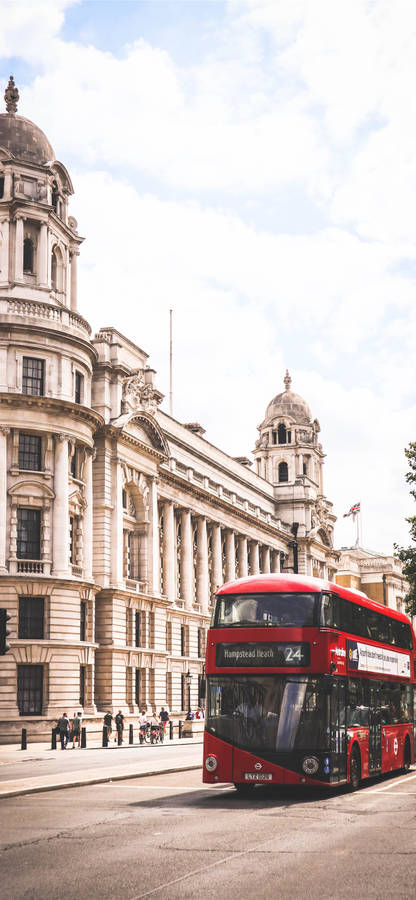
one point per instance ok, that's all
(27, 255)
(31, 618)
(33, 380)
(82, 686)
(137, 629)
(55, 196)
(54, 271)
(30, 690)
(71, 539)
(28, 533)
(83, 621)
(30, 452)
(305, 469)
(201, 642)
(283, 472)
(183, 642)
(183, 701)
(281, 434)
(74, 464)
(79, 387)
(1, 187)
(137, 688)
(124, 499)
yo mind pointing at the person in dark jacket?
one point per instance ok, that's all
(120, 726)
(63, 725)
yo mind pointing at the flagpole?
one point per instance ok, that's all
(170, 361)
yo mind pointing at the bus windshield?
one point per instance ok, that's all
(277, 610)
(281, 713)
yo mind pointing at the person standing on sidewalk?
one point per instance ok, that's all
(76, 730)
(63, 725)
(119, 726)
(164, 718)
(108, 722)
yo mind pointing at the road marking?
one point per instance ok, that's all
(393, 784)
(162, 787)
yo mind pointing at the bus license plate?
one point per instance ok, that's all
(257, 776)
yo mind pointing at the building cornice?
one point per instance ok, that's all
(54, 404)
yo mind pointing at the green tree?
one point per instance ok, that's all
(407, 555)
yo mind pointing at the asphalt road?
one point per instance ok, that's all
(169, 836)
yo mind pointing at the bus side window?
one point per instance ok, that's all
(330, 611)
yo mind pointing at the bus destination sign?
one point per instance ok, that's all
(272, 654)
(367, 658)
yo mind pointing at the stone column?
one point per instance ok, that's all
(19, 250)
(4, 250)
(153, 538)
(88, 512)
(242, 556)
(3, 496)
(61, 508)
(254, 558)
(265, 560)
(187, 566)
(43, 255)
(169, 549)
(229, 555)
(117, 524)
(216, 574)
(202, 577)
(74, 301)
(275, 561)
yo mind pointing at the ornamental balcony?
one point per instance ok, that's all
(57, 317)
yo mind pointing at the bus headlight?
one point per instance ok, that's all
(211, 763)
(310, 765)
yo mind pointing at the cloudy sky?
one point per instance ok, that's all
(252, 165)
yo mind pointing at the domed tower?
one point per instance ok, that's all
(46, 434)
(288, 454)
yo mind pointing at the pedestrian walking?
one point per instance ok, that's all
(164, 718)
(63, 725)
(119, 720)
(108, 722)
(76, 730)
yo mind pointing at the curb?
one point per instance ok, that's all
(39, 789)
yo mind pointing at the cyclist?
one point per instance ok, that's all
(142, 725)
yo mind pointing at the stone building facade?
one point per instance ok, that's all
(117, 522)
(376, 574)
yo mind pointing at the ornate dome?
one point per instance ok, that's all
(290, 405)
(22, 138)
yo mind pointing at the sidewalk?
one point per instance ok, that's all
(21, 770)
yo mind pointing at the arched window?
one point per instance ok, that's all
(54, 271)
(283, 472)
(281, 434)
(28, 255)
(55, 196)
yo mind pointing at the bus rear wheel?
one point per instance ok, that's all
(355, 769)
(406, 755)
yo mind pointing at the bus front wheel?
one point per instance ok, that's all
(406, 755)
(355, 769)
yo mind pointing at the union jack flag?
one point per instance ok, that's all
(353, 511)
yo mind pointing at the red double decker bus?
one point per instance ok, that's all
(307, 683)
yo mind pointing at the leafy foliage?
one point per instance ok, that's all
(407, 555)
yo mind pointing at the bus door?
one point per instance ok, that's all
(338, 734)
(374, 731)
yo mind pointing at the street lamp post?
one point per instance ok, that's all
(188, 677)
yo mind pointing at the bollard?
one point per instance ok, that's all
(53, 739)
(171, 731)
(130, 733)
(180, 724)
(23, 745)
(105, 736)
(83, 738)
(119, 738)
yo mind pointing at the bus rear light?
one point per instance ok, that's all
(211, 763)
